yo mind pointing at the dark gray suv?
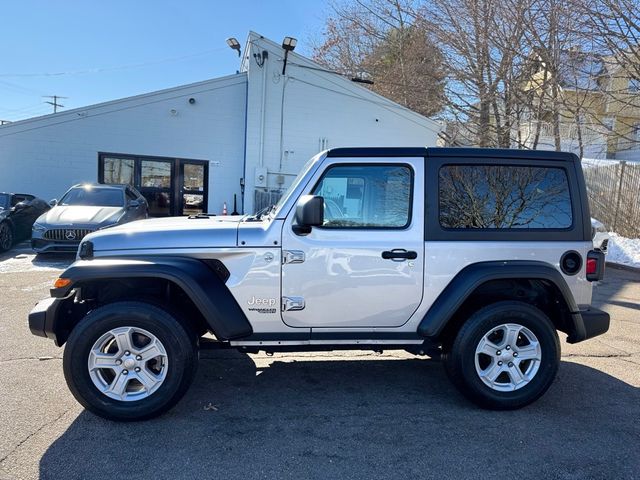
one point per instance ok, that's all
(84, 209)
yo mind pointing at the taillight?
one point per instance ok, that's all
(595, 265)
(592, 266)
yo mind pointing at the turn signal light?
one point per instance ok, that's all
(62, 282)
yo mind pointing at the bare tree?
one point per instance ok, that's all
(385, 41)
(615, 27)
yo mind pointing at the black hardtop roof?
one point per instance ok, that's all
(451, 152)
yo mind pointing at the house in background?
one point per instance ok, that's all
(598, 102)
(192, 148)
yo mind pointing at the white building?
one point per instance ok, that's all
(200, 143)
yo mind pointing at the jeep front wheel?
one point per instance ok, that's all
(505, 356)
(129, 361)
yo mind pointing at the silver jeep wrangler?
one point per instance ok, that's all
(474, 256)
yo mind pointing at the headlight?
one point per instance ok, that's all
(38, 228)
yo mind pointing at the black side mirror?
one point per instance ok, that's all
(20, 206)
(309, 213)
(133, 204)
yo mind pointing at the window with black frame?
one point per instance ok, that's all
(504, 197)
(366, 196)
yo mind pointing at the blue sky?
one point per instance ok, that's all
(115, 48)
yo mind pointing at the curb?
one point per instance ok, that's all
(619, 266)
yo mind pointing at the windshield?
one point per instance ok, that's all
(5, 200)
(93, 197)
(303, 173)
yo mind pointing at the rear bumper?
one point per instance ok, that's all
(589, 322)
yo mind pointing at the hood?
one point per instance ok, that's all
(67, 215)
(168, 233)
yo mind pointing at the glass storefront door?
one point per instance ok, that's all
(192, 181)
(172, 186)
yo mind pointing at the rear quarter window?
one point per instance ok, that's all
(503, 197)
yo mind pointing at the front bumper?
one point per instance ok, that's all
(589, 322)
(40, 245)
(42, 317)
(47, 318)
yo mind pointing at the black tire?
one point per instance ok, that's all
(6, 236)
(179, 343)
(460, 365)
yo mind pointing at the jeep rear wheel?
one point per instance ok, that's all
(129, 361)
(505, 356)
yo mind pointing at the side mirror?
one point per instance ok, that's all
(309, 213)
(20, 206)
(133, 204)
(53, 202)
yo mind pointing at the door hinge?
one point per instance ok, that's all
(292, 256)
(292, 303)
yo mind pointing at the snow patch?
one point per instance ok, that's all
(625, 251)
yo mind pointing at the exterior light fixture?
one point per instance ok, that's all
(288, 45)
(234, 44)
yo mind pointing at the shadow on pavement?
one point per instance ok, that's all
(375, 418)
(53, 260)
(615, 279)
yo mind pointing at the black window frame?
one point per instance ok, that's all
(435, 231)
(406, 226)
(174, 189)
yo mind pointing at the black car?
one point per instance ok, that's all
(18, 211)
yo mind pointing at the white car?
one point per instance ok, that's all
(600, 235)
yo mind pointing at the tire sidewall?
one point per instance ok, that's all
(178, 344)
(7, 226)
(482, 323)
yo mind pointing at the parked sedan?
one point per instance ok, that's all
(18, 211)
(82, 210)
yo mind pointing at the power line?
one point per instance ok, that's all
(109, 69)
(55, 102)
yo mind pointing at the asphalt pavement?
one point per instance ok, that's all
(346, 415)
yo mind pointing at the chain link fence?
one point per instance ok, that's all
(614, 194)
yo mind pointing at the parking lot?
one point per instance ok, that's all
(321, 415)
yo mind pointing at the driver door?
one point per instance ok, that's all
(364, 266)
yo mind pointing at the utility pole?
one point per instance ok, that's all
(55, 102)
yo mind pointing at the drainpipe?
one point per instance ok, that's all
(263, 114)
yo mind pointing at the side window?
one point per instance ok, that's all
(366, 196)
(504, 197)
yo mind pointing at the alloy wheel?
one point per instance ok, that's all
(508, 357)
(128, 364)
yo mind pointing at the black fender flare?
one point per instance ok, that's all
(199, 281)
(473, 276)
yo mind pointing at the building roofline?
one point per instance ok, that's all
(294, 57)
(118, 101)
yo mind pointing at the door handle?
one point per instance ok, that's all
(399, 254)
